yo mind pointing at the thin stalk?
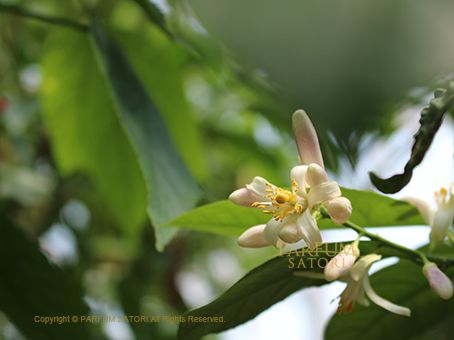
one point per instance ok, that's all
(15, 10)
(417, 256)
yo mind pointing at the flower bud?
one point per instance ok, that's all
(342, 262)
(339, 209)
(253, 237)
(290, 234)
(316, 175)
(438, 281)
(243, 197)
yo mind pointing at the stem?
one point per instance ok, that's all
(417, 256)
(15, 10)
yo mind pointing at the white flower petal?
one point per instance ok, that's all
(323, 192)
(361, 267)
(316, 175)
(259, 186)
(306, 139)
(424, 209)
(271, 232)
(298, 173)
(361, 296)
(253, 237)
(442, 220)
(382, 302)
(307, 226)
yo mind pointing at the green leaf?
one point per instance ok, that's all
(369, 210)
(172, 189)
(85, 133)
(403, 284)
(261, 288)
(374, 210)
(223, 218)
(154, 14)
(431, 119)
(156, 57)
(31, 287)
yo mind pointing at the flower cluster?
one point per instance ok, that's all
(292, 211)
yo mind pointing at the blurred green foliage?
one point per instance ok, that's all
(117, 117)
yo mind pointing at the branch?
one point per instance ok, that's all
(417, 256)
(15, 10)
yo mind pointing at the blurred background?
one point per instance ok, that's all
(226, 77)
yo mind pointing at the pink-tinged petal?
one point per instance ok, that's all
(271, 231)
(259, 187)
(323, 192)
(341, 263)
(306, 139)
(289, 233)
(361, 268)
(307, 227)
(438, 281)
(253, 237)
(442, 220)
(382, 302)
(424, 209)
(298, 173)
(339, 208)
(244, 197)
(316, 175)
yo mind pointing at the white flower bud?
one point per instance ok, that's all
(316, 175)
(342, 262)
(253, 237)
(438, 281)
(290, 234)
(339, 209)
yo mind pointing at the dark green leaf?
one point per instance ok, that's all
(156, 57)
(261, 288)
(431, 119)
(30, 287)
(403, 284)
(369, 210)
(171, 188)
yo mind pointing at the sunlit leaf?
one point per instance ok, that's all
(30, 287)
(403, 284)
(369, 210)
(85, 133)
(431, 119)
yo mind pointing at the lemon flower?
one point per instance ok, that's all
(439, 220)
(292, 219)
(358, 285)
